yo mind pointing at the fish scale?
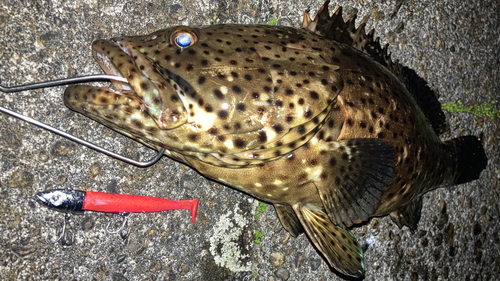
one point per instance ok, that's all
(318, 121)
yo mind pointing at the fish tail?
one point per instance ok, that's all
(469, 158)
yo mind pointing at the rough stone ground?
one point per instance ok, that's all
(452, 44)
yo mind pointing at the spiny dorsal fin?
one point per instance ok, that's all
(335, 28)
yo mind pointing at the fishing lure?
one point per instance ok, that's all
(77, 200)
(71, 201)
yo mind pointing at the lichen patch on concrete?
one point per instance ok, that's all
(225, 242)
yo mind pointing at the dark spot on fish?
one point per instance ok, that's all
(201, 80)
(239, 143)
(218, 94)
(278, 128)
(222, 114)
(236, 89)
(240, 107)
(208, 108)
(314, 95)
(301, 129)
(331, 123)
(248, 77)
(262, 136)
(345, 156)
(193, 137)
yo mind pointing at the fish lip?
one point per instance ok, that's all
(109, 67)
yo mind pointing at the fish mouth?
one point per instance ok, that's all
(147, 95)
(110, 68)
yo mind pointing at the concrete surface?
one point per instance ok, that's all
(452, 44)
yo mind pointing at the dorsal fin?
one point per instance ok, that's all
(335, 28)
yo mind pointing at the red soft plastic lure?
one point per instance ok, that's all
(77, 200)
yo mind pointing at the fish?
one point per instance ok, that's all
(70, 200)
(318, 121)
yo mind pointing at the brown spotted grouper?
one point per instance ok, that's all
(317, 121)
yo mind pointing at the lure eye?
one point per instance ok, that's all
(183, 38)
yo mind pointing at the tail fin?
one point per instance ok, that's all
(469, 158)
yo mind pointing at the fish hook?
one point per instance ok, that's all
(124, 232)
(63, 237)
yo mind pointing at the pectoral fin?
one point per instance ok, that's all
(360, 169)
(337, 245)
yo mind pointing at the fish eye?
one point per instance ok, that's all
(183, 38)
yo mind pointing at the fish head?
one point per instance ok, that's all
(218, 89)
